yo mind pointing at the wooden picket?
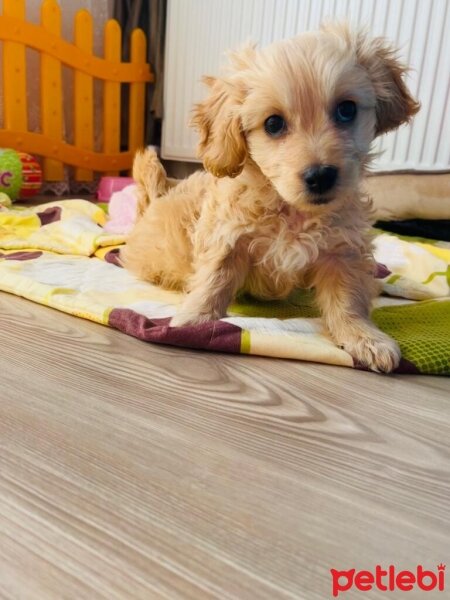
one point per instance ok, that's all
(111, 93)
(137, 92)
(50, 143)
(14, 74)
(51, 90)
(83, 120)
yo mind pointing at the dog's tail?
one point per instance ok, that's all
(150, 177)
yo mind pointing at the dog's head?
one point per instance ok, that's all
(305, 111)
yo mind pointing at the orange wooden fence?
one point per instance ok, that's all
(16, 33)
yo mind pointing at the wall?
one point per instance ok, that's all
(199, 31)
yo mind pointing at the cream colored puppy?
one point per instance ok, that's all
(285, 139)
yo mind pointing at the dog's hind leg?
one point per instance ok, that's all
(150, 177)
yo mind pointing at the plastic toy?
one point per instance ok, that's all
(122, 211)
(20, 174)
(108, 185)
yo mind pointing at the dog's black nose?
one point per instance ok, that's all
(320, 178)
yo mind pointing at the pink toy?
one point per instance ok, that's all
(122, 211)
(109, 185)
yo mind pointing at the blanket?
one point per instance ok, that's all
(59, 254)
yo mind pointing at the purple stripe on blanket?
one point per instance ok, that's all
(21, 255)
(213, 335)
(381, 271)
(113, 257)
(50, 215)
(406, 367)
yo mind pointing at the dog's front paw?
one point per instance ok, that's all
(376, 351)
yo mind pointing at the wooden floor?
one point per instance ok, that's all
(136, 471)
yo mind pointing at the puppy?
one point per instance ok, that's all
(285, 139)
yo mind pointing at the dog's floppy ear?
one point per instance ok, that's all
(395, 105)
(222, 145)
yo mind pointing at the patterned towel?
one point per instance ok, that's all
(58, 254)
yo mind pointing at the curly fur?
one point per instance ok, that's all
(249, 223)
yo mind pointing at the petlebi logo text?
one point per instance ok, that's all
(388, 579)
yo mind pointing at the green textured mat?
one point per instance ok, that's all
(299, 304)
(423, 332)
(422, 329)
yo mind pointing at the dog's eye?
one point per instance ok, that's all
(345, 112)
(275, 125)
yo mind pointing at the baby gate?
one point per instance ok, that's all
(16, 33)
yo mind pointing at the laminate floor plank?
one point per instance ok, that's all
(137, 471)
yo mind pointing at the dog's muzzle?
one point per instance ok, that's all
(320, 179)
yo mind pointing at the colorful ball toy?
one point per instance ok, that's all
(20, 174)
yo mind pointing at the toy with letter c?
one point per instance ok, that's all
(20, 174)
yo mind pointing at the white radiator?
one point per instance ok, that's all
(199, 32)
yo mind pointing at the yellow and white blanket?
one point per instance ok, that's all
(58, 254)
